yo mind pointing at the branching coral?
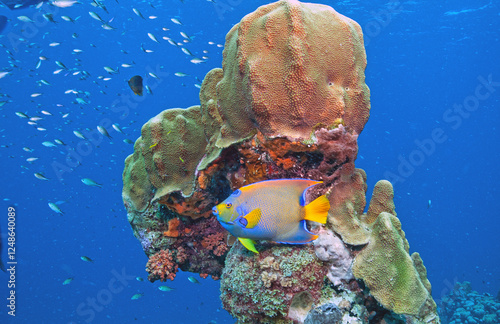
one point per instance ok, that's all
(161, 266)
(215, 242)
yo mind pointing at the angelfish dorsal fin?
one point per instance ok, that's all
(253, 218)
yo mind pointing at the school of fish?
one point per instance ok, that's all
(67, 68)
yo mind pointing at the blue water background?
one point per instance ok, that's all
(424, 57)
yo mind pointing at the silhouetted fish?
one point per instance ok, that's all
(135, 83)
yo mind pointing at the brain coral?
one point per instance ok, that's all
(290, 66)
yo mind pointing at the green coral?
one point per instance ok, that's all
(259, 288)
(302, 258)
(388, 270)
(173, 147)
(137, 189)
(396, 280)
(242, 284)
(382, 201)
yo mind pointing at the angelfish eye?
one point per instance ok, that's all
(228, 205)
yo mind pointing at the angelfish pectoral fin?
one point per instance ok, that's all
(253, 218)
(249, 244)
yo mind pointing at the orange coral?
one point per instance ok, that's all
(161, 266)
(181, 255)
(172, 231)
(215, 242)
(280, 147)
(204, 175)
(289, 67)
(285, 163)
(196, 206)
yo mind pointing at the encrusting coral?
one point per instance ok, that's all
(289, 102)
(262, 288)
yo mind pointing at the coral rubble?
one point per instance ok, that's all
(290, 102)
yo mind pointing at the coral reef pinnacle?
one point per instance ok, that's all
(289, 102)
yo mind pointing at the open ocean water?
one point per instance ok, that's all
(432, 133)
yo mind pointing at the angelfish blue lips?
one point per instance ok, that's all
(215, 211)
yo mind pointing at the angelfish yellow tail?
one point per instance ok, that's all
(317, 210)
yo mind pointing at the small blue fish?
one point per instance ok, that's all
(166, 288)
(193, 280)
(40, 176)
(90, 182)
(55, 208)
(103, 131)
(137, 296)
(272, 210)
(86, 259)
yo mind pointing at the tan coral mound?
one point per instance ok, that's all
(388, 269)
(137, 189)
(288, 69)
(171, 143)
(173, 146)
(382, 201)
(290, 66)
